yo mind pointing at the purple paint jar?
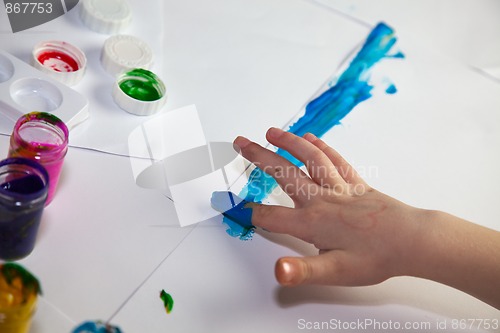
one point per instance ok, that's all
(24, 187)
(42, 137)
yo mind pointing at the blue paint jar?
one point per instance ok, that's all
(24, 188)
(96, 327)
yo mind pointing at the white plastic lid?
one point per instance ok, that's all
(60, 60)
(123, 52)
(106, 16)
(139, 92)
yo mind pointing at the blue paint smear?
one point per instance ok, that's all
(324, 112)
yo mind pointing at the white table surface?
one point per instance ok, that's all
(107, 247)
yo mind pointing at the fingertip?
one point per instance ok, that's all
(274, 133)
(240, 142)
(288, 271)
(283, 271)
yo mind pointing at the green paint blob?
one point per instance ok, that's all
(142, 84)
(168, 301)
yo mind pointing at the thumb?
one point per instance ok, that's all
(320, 269)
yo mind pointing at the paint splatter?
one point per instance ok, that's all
(324, 112)
(168, 301)
(391, 89)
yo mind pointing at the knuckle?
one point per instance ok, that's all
(259, 214)
(264, 216)
(310, 214)
(316, 155)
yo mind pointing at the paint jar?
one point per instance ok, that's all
(19, 291)
(122, 53)
(60, 60)
(106, 16)
(23, 192)
(96, 327)
(140, 92)
(42, 137)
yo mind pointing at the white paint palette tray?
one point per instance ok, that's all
(24, 89)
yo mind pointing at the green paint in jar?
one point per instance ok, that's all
(142, 85)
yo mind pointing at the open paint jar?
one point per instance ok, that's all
(96, 327)
(140, 92)
(24, 186)
(42, 137)
(60, 60)
(19, 291)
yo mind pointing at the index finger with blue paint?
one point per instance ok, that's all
(248, 214)
(290, 178)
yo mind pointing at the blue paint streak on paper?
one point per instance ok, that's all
(326, 111)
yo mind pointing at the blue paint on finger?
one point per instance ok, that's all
(237, 215)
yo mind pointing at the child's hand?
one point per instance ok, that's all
(361, 234)
(364, 236)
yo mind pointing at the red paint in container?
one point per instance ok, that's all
(58, 61)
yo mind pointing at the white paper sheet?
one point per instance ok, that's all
(107, 247)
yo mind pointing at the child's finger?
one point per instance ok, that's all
(279, 219)
(320, 167)
(291, 179)
(324, 268)
(343, 167)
